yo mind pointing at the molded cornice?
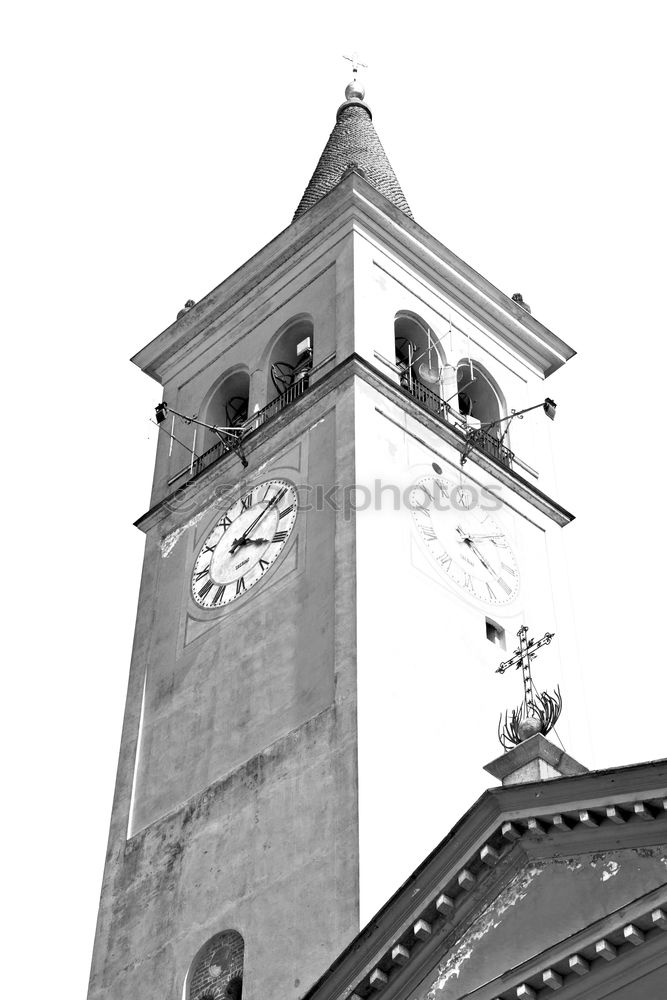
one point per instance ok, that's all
(352, 203)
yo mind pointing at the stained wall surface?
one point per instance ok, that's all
(580, 890)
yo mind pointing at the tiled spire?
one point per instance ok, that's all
(353, 143)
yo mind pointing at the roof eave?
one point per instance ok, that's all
(540, 348)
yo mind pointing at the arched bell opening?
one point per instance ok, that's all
(291, 360)
(479, 398)
(216, 972)
(421, 361)
(228, 404)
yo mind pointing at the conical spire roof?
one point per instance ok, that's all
(353, 143)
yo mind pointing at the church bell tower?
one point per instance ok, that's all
(345, 530)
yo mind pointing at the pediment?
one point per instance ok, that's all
(549, 910)
(564, 879)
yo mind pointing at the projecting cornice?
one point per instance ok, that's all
(354, 203)
(300, 413)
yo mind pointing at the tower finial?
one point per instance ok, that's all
(355, 91)
(539, 711)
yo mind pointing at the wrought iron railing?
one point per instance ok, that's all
(222, 447)
(429, 399)
(484, 440)
(273, 408)
(491, 445)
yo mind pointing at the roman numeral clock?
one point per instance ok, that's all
(464, 541)
(244, 543)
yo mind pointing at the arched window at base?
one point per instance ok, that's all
(217, 971)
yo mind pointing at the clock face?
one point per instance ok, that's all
(466, 543)
(244, 543)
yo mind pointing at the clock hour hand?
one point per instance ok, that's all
(243, 540)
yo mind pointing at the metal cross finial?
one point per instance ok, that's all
(538, 712)
(354, 59)
(522, 657)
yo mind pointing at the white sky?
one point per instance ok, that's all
(150, 150)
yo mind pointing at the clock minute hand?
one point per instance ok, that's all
(238, 542)
(471, 545)
(482, 538)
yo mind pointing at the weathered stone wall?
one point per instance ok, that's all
(244, 811)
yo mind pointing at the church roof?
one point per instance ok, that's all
(353, 143)
(521, 894)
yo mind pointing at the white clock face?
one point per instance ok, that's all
(244, 543)
(466, 543)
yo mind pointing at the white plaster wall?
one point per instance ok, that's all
(428, 695)
(386, 284)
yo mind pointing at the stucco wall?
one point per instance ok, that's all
(244, 809)
(429, 694)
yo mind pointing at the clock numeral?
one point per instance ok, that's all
(205, 589)
(508, 569)
(428, 533)
(240, 585)
(445, 560)
(286, 511)
(246, 502)
(217, 597)
(263, 564)
(279, 537)
(464, 499)
(207, 548)
(444, 489)
(467, 582)
(505, 586)
(201, 574)
(225, 522)
(491, 591)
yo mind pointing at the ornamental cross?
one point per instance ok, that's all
(354, 59)
(539, 712)
(522, 656)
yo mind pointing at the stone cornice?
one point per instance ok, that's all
(356, 201)
(352, 366)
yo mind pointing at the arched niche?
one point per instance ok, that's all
(479, 396)
(291, 359)
(227, 404)
(216, 972)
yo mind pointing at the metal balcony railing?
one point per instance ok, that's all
(488, 443)
(222, 447)
(273, 408)
(484, 440)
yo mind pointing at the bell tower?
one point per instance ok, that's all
(325, 584)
